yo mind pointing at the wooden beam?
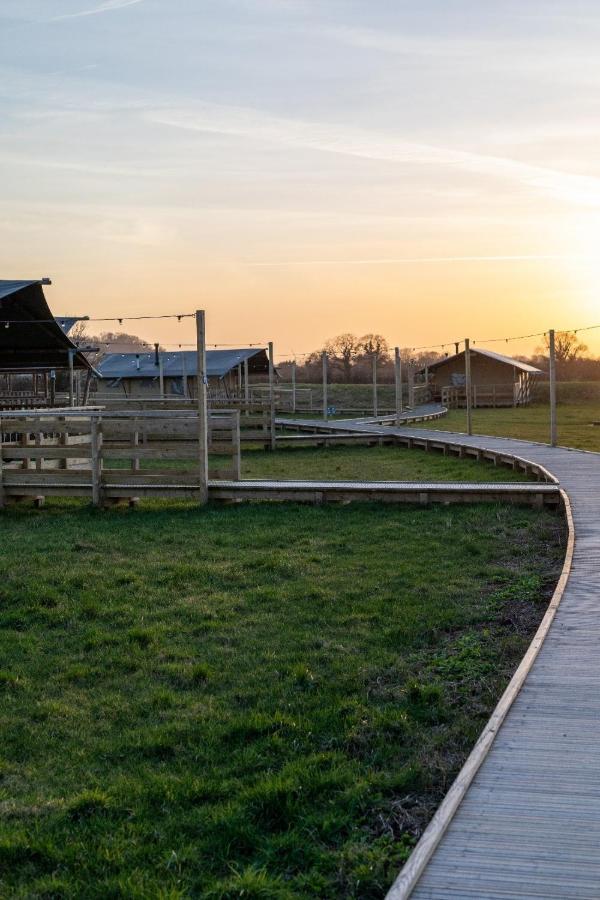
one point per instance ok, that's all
(86, 387)
(272, 394)
(552, 373)
(324, 367)
(246, 381)
(398, 383)
(201, 400)
(374, 366)
(468, 385)
(71, 393)
(161, 376)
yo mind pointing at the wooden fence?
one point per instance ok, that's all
(492, 395)
(257, 422)
(113, 455)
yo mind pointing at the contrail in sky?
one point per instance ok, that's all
(420, 259)
(108, 6)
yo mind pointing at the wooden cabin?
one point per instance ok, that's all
(496, 380)
(35, 349)
(173, 374)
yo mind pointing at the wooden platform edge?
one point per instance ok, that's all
(410, 874)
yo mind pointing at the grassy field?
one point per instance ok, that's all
(252, 701)
(575, 428)
(354, 463)
(339, 463)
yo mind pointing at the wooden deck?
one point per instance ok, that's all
(524, 820)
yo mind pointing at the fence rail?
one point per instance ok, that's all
(109, 455)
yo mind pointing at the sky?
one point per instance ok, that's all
(301, 168)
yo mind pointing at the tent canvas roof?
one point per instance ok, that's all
(218, 363)
(490, 354)
(30, 338)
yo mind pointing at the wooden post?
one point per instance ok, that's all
(202, 412)
(237, 444)
(272, 393)
(184, 381)
(86, 387)
(552, 374)
(324, 365)
(411, 386)
(52, 387)
(294, 385)
(398, 383)
(374, 366)
(161, 376)
(71, 395)
(456, 346)
(246, 382)
(239, 374)
(96, 458)
(468, 385)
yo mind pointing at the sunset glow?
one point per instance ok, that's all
(300, 168)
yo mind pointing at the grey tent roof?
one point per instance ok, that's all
(218, 363)
(11, 287)
(30, 337)
(508, 360)
(69, 322)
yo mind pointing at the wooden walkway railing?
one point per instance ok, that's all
(113, 455)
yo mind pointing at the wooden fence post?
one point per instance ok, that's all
(202, 411)
(374, 366)
(86, 387)
(237, 445)
(246, 382)
(96, 458)
(272, 394)
(398, 383)
(411, 386)
(184, 381)
(552, 374)
(161, 376)
(468, 385)
(294, 385)
(324, 365)
(71, 394)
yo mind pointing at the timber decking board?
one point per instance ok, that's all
(528, 825)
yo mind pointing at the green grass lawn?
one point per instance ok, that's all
(339, 463)
(249, 701)
(352, 463)
(532, 423)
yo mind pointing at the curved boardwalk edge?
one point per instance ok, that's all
(431, 837)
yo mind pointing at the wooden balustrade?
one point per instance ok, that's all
(110, 455)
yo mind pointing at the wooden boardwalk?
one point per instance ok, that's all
(529, 823)
(532, 493)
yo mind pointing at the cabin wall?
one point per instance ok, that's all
(484, 372)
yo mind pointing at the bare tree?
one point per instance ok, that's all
(567, 346)
(107, 342)
(374, 343)
(344, 348)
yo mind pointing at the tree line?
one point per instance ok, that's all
(350, 360)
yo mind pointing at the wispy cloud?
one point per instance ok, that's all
(107, 6)
(248, 123)
(403, 260)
